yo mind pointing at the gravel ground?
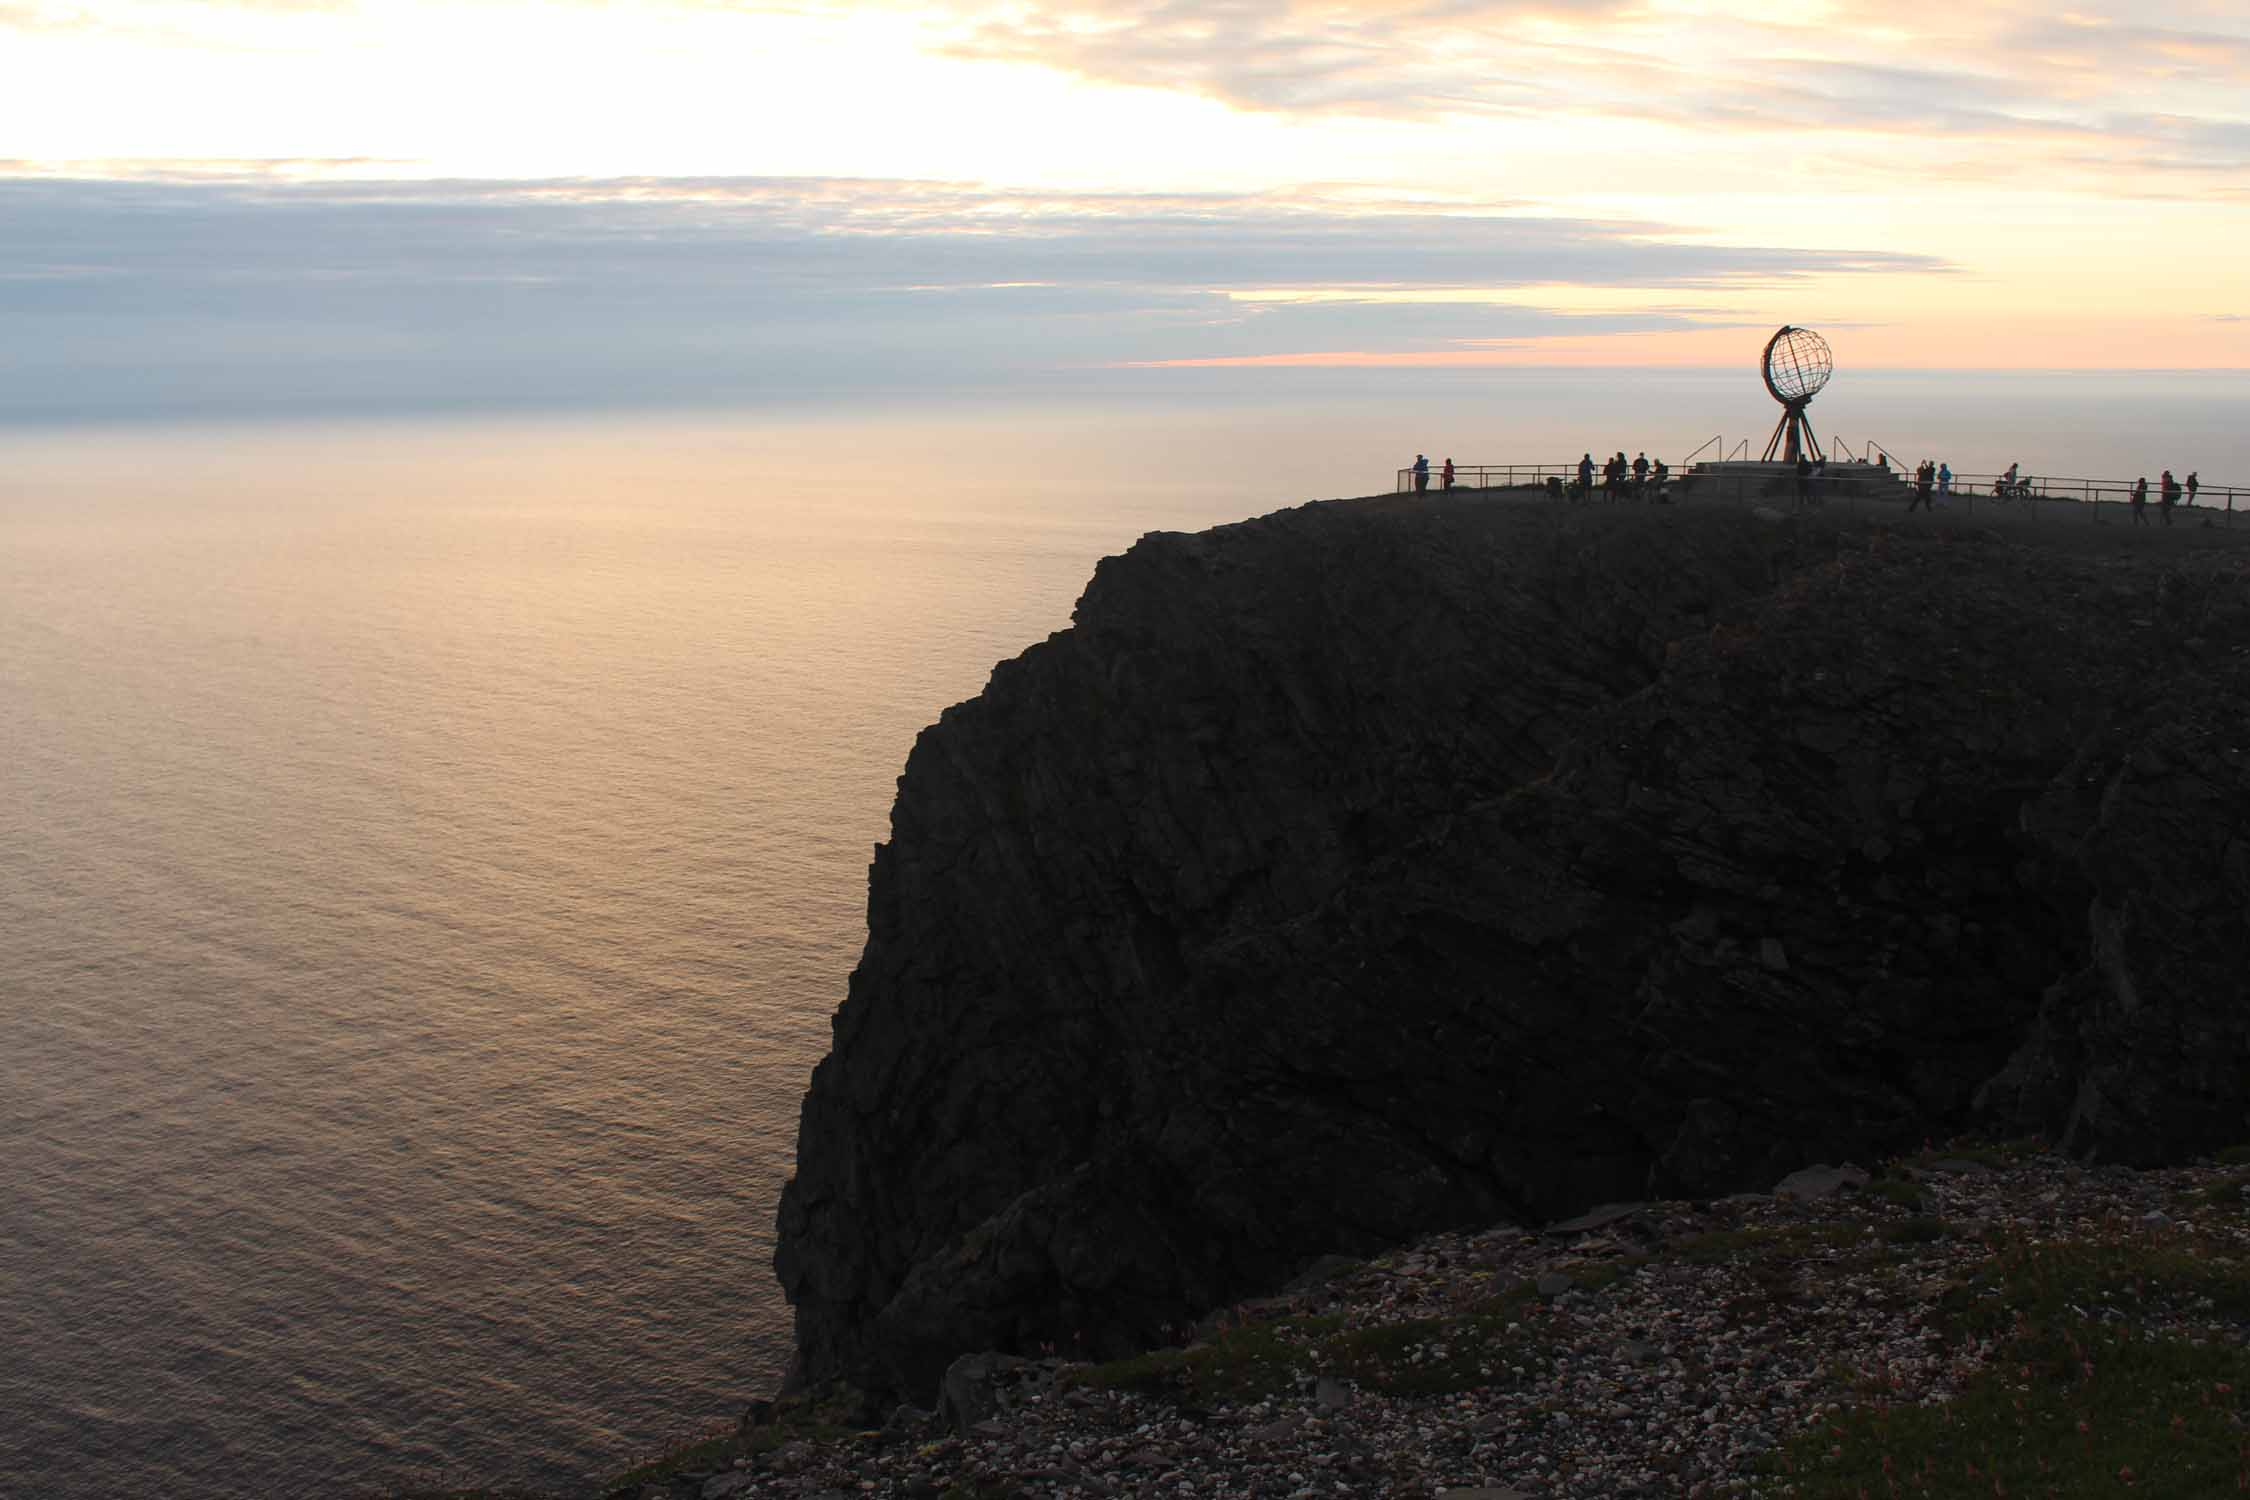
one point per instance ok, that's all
(1653, 1349)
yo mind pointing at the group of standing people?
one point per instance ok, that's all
(1637, 480)
(1933, 479)
(1421, 471)
(2167, 496)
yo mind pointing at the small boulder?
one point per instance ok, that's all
(906, 1420)
(977, 1388)
(969, 1392)
(1819, 1181)
(1599, 1217)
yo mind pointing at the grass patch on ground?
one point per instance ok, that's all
(2071, 1280)
(1761, 1242)
(1904, 1192)
(1246, 1363)
(2228, 1192)
(2072, 1401)
(1922, 1229)
(2061, 1412)
(1994, 1154)
(1485, 1343)
(816, 1421)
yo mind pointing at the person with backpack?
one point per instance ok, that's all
(1421, 473)
(2168, 495)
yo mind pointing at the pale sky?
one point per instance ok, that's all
(249, 194)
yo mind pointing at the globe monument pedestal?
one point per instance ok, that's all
(1795, 365)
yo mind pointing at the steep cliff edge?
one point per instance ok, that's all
(1378, 867)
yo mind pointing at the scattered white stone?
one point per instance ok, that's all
(1670, 1378)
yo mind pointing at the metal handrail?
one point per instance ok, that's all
(1966, 487)
(2095, 492)
(1492, 476)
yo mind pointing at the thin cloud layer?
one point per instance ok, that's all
(1267, 54)
(2039, 90)
(194, 294)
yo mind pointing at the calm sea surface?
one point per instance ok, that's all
(430, 853)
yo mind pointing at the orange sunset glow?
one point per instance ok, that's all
(1266, 183)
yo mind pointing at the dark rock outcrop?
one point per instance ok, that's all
(1379, 867)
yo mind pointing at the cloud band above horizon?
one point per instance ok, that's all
(182, 294)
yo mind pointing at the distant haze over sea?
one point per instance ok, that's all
(432, 845)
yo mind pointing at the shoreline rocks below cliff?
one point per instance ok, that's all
(1739, 1347)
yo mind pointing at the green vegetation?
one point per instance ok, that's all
(1766, 1242)
(1922, 1229)
(1487, 1343)
(2040, 1284)
(1903, 1191)
(1249, 1361)
(1997, 1155)
(2071, 1403)
(2062, 1411)
(2228, 1192)
(823, 1420)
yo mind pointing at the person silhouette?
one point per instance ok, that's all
(1585, 475)
(2139, 501)
(2193, 484)
(1421, 473)
(1945, 479)
(1445, 477)
(2167, 496)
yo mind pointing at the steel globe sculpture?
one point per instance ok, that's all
(1796, 365)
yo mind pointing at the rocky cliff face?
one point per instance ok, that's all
(1380, 867)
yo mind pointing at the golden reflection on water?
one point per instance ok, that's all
(432, 854)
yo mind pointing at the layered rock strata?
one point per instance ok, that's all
(1382, 867)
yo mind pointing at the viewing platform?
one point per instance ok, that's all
(1849, 480)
